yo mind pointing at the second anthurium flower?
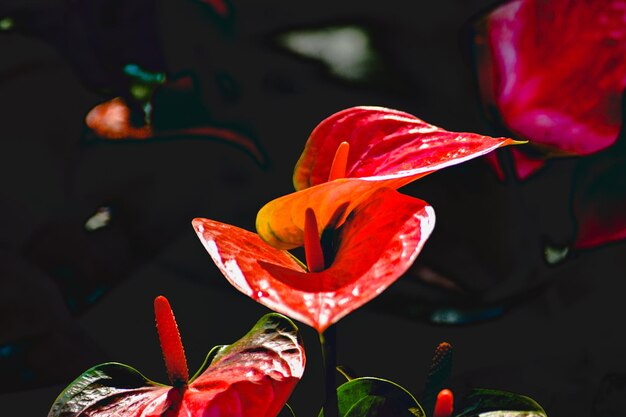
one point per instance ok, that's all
(377, 243)
(358, 232)
(356, 151)
(253, 377)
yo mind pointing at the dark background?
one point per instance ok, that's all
(70, 299)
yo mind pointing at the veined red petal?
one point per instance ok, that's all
(377, 243)
(253, 377)
(526, 165)
(555, 71)
(387, 148)
(385, 144)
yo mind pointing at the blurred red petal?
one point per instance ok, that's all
(555, 70)
(492, 160)
(111, 120)
(220, 7)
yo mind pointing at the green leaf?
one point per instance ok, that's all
(494, 403)
(253, 377)
(375, 397)
(104, 384)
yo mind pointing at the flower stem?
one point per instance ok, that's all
(328, 341)
(171, 345)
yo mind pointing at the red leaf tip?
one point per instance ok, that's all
(171, 345)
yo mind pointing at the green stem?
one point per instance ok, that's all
(328, 341)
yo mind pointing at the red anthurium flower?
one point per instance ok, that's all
(375, 245)
(354, 152)
(554, 71)
(251, 378)
(111, 120)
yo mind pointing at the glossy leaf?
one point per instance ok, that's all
(553, 72)
(252, 377)
(372, 250)
(494, 403)
(375, 397)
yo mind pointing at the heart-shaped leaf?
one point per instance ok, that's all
(252, 377)
(494, 403)
(375, 246)
(375, 397)
(564, 92)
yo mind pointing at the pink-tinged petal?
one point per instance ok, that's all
(554, 71)
(260, 371)
(374, 249)
(386, 144)
(599, 202)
